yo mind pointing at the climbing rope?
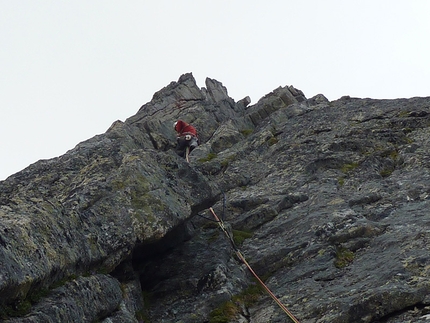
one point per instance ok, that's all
(242, 258)
(187, 153)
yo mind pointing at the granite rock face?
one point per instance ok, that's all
(328, 201)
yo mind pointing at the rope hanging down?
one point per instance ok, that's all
(187, 153)
(242, 258)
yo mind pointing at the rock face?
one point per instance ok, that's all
(328, 201)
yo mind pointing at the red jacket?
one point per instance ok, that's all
(183, 128)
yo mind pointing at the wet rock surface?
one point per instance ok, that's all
(328, 201)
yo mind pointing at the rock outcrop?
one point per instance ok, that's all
(329, 202)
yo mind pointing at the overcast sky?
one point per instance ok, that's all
(69, 69)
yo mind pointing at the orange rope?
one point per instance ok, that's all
(242, 258)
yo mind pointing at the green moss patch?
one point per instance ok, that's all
(346, 168)
(272, 141)
(224, 313)
(229, 310)
(240, 236)
(246, 132)
(209, 157)
(344, 257)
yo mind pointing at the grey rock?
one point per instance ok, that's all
(328, 201)
(279, 98)
(216, 92)
(245, 101)
(318, 99)
(85, 299)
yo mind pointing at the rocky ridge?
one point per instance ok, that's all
(327, 200)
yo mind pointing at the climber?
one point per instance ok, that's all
(186, 138)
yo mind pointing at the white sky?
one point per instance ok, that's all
(69, 69)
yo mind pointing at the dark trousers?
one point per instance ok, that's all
(183, 144)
